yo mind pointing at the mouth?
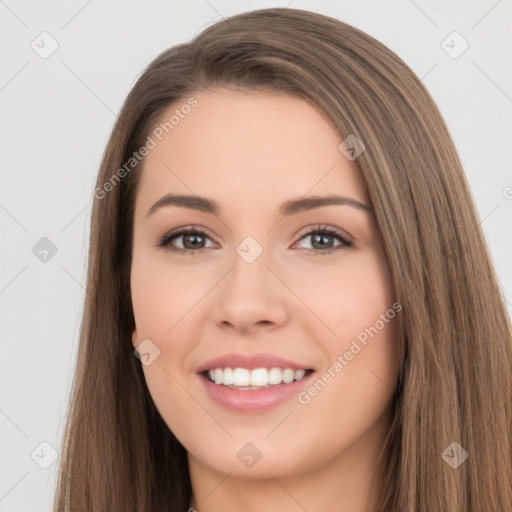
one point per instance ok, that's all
(253, 382)
(244, 390)
(245, 379)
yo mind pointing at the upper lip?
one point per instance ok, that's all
(250, 361)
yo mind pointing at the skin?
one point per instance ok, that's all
(251, 152)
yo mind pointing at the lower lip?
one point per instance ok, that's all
(253, 400)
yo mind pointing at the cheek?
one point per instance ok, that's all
(362, 350)
(368, 327)
(161, 297)
(163, 293)
(352, 392)
(346, 296)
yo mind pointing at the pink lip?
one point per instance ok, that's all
(253, 400)
(257, 399)
(250, 361)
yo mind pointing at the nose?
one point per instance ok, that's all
(250, 297)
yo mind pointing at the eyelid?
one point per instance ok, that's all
(326, 227)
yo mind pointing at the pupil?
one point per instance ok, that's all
(318, 237)
(186, 238)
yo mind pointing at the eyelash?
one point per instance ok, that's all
(195, 230)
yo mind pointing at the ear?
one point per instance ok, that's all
(135, 338)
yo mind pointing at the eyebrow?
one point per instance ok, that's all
(290, 207)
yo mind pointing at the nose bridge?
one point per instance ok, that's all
(250, 250)
(250, 293)
(249, 266)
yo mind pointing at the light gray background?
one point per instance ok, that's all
(58, 112)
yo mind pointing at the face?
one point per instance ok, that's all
(306, 289)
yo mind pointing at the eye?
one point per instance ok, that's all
(320, 236)
(194, 239)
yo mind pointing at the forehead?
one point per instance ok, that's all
(252, 147)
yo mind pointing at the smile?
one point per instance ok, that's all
(257, 378)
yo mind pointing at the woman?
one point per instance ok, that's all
(284, 237)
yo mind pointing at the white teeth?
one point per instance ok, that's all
(241, 376)
(288, 375)
(259, 377)
(275, 376)
(227, 378)
(299, 374)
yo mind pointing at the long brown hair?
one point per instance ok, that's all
(455, 383)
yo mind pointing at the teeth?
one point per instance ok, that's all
(259, 377)
(241, 377)
(227, 377)
(288, 376)
(275, 376)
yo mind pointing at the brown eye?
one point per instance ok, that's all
(193, 240)
(322, 240)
